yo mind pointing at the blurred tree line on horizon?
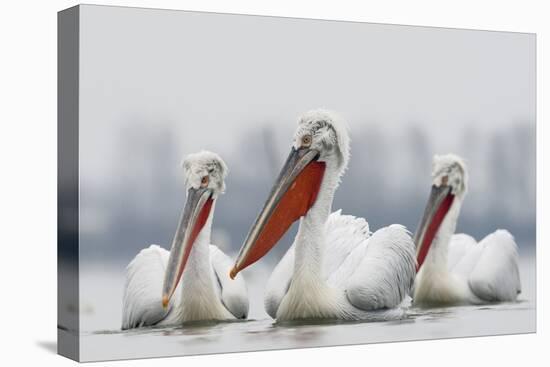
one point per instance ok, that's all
(387, 182)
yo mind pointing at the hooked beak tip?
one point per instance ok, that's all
(165, 301)
(233, 273)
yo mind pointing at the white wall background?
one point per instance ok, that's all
(28, 184)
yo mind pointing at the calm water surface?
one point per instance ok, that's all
(102, 339)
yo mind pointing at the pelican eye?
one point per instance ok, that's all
(444, 180)
(204, 181)
(306, 140)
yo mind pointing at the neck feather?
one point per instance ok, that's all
(310, 240)
(437, 256)
(199, 297)
(199, 258)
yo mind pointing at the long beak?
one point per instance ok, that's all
(439, 203)
(293, 194)
(195, 214)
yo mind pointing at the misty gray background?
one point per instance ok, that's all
(156, 85)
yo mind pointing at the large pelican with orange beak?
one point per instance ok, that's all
(335, 269)
(154, 295)
(454, 268)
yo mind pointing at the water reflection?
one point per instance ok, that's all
(263, 333)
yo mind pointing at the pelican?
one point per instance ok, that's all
(453, 268)
(335, 269)
(205, 291)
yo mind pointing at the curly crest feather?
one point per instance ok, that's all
(330, 132)
(205, 163)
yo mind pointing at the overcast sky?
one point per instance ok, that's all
(213, 81)
(213, 76)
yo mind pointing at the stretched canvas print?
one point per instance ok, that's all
(239, 183)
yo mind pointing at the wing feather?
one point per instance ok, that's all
(279, 282)
(142, 301)
(495, 276)
(345, 234)
(386, 272)
(233, 292)
(459, 245)
(377, 272)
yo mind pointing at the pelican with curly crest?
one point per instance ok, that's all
(154, 294)
(454, 268)
(335, 268)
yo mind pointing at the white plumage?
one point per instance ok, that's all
(365, 273)
(205, 291)
(490, 267)
(383, 279)
(457, 269)
(142, 302)
(335, 268)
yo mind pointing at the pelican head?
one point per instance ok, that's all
(204, 180)
(327, 134)
(321, 143)
(205, 170)
(450, 170)
(449, 183)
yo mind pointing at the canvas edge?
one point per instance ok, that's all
(68, 182)
(68, 319)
